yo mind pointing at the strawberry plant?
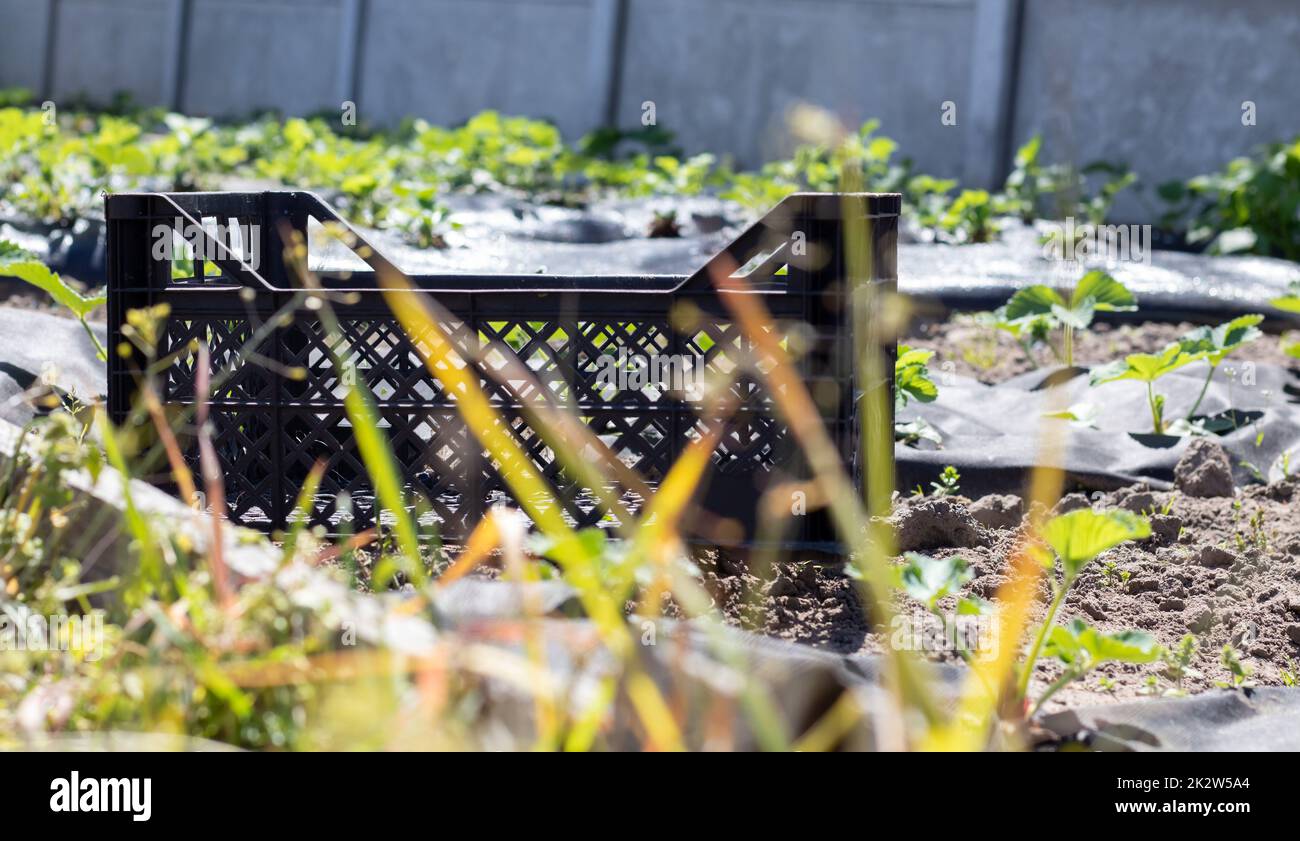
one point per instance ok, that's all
(912, 382)
(1073, 541)
(1082, 648)
(1044, 308)
(1147, 368)
(1214, 344)
(969, 219)
(15, 262)
(1031, 182)
(1250, 206)
(929, 580)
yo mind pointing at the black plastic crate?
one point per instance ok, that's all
(269, 429)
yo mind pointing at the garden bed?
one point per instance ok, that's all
(967, 347)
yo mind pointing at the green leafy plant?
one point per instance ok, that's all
(1113, 576)
(928, 580)
(1147, 368)
(1082, 648)
(1083, 415)
(1027, 182)
(969, 218)
(1290, 302)
(1249, 206)
(1178, 663)
(1046, 308)
(1239, 674)
(1214, 344)
(949, 482)
(1031, 184)
(1073, 540)
(912, 377)
(912, 382)
(15, 262)
(915, 431)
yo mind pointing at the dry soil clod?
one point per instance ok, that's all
(1204, 470)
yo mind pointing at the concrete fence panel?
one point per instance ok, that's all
(1160, 84)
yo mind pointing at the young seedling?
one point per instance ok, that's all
(948, 484)
(1178, 664)
(928, 580)
(1083, 648)
(1095, 292)
(1214, 344)
(1113, 576)
(1147, 368)
(912, 382)
(1074, 540)
(1238, 671)
(912, 377)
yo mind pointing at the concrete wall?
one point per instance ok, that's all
(1159, 84)
(723, 74)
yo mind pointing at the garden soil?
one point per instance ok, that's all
(1224, 569)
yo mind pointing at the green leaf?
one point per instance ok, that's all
(1145, 367)
(1080, 536)
(578, 547)
(1080, 414)
(974, 606)
(928, 579)
(912, 377)
(1083, 647)
(1215, 343)
(1036, 300)
(15, 262)
(1106, 293)
(1096, 291)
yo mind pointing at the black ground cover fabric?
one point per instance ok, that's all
(992, 434)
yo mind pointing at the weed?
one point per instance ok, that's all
(948, 484)
(1178, 663)
(1239, 673)
(1113, 576)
